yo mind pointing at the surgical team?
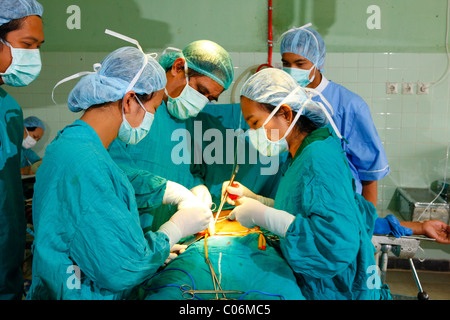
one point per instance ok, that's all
(98, 175)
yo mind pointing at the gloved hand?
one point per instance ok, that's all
(175, 251)
(36, 166)
(186, 222)
(237, 190)
(178, 195)
(202, 192)
(390, 226)
(250, 213)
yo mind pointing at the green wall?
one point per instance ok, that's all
(241, 25)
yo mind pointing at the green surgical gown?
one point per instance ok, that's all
(88, 240)
(328, 245)
(12, 214)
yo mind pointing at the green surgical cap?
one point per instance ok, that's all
(205, 57)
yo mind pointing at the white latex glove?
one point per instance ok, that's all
(202, 192)
(242, 191)
(36, 166)
(175, 251)
(179, 195)
(186, 222)
(250, 213)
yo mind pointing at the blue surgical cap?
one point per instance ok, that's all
(16, 9)
(205, 57)
(307, 43)
(111, 82)
(35, 122)
(272, 86)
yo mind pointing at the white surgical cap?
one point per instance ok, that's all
(16, 9)
(307, 43)
(272, 86)
(112, 81)
(33, 121)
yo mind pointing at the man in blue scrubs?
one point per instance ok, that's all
(303, 56)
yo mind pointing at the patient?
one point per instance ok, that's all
(241, 261)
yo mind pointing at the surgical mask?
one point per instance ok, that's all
(128, 134)
(25, 67)
(301, 75)
(29, 142)
(189, 103)
(259, 139)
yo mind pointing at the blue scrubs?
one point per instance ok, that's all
(88, 240)
(328, 245)
(365, 152)
(28, 158)
(12, 212)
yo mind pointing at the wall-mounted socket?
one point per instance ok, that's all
(407, 88)
(392, 87)
(423, 88)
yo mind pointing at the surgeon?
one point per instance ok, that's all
(195, 76)
(89, 243)
(325, 226)
(33, 131)
(21, 35)
(303, 57)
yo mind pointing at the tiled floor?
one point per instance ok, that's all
(436, 284)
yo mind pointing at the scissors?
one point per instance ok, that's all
(189, 293)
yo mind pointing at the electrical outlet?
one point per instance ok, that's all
(391, 87)
(423, 88)
(407, 88)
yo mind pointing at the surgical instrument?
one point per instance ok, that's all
(189, 293)
(196, 238)
(226, 194)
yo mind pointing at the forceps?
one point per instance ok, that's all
(189, 293)
(226, 194)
